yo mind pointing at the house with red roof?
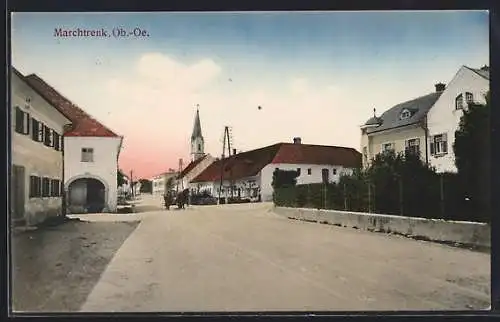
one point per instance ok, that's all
(36, 154)
(91, 152)
(249, 174)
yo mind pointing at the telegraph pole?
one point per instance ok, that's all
(131, 184)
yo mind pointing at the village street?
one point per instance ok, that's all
(246, 258)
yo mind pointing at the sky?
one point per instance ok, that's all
(315, 75)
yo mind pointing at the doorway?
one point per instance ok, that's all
(18, 192)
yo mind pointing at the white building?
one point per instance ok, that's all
(251, 173)
(467, 86)
(159, 181)
(91, 152)
(37, 157)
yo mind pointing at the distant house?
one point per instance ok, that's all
(468, 86)
(37, 154)
(192, 170)
(250, 174)
(401, 128)
(91, 152)
(426, 125)
(136, 188)
(159, 181)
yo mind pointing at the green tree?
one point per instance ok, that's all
(120, 178)
(473, 154)
(284, 178)
(146, 185)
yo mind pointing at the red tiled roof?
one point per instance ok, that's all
(318, 154)
(83, 123)
(249, 163)
(191, 166)
(242, 165)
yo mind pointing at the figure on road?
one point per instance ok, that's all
(168, 199)
(182, 198)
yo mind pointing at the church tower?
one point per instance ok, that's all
(197, 142)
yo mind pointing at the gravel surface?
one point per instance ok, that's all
(55, 268)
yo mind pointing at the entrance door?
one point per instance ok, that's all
(325, 175)
(18, 192)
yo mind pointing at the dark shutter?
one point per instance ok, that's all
(19, 120)
(46, 135)
(55, 140)
(433, 150)
(34, 129)
(27, 128)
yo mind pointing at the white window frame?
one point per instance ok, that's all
(405, 114)
(409, 145)
(459, 98)
(439, 145)
(87, 155)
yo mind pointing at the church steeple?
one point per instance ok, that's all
(197, 141)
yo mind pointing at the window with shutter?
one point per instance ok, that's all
(46, 135)
(45, 187)
(41, 132)
(27, 123)
(445, 143)
(433, 148)
(19, 120)
(459, 102)
(34, 129)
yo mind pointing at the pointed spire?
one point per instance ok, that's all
(197, 125)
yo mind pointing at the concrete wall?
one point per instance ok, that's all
(478, 234)
(104, 167)
(335, 171)
(444, 118)
(35, 157)
(374, 141)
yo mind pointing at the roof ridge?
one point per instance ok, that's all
(73, 105)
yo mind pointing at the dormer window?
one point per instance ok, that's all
(405, 114)
(469, 98)
(459, 102)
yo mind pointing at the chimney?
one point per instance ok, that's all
(234, 151)
(440, 87)
(297, 140)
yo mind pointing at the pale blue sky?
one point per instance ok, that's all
(317, 75)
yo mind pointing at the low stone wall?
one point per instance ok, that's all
(468, 233)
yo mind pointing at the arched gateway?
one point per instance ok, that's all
(86, 194)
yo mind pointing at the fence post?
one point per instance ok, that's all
(345, 198)
(324, 195)
(369, 198)
(401, 199)
(441, 193)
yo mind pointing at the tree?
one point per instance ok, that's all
(120, 178)
(146, 185)
(284, 178)
(473, 153)
(169, 184)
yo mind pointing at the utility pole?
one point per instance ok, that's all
(226, 137)
(131, 184)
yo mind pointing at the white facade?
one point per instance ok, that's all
(33, 162)
(102, 166)
(246, 188)
(199, 168)
(309, 173)
(159, 182)
(443, 118)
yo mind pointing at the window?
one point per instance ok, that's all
(365, 154)
(35, 130)
(412, 146)
(405, 114)
(469, 97)
(22, 121)
(57, 141)
(298, 171)
(55, 189)
(47, 136)
(459, 102)
(35, 187)
(45, 187)
(199, 147)
(309, 171)
(87, 155)
(334, 171)
(386, 147)
(41, 132)
(439, 144)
